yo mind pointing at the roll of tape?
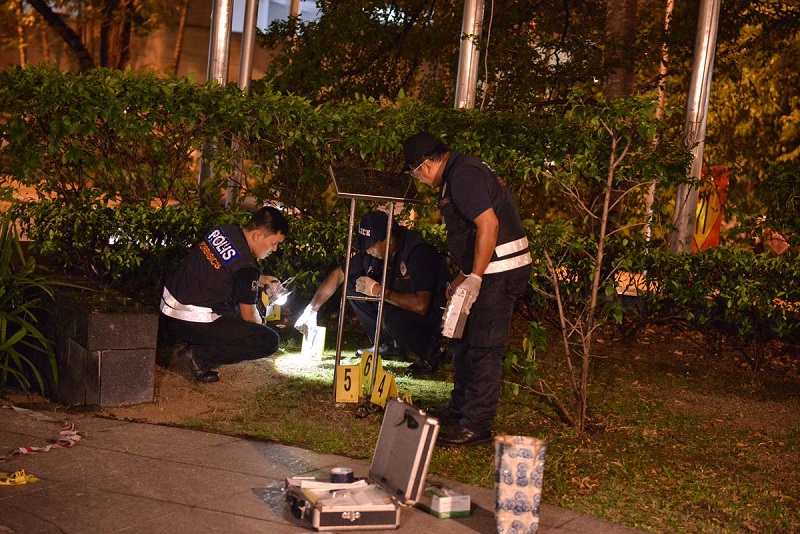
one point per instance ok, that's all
(342, 475)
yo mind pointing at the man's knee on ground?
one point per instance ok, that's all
(267, 341)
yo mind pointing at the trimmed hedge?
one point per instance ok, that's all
(113, 158)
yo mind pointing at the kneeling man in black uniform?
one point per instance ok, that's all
(414, 296)
(210, 301)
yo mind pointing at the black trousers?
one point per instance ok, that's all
(226, 340)
(420, 334)
(478, 356)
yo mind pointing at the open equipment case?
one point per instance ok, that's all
(396, 477)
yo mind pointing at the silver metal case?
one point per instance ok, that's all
(396, 477)
(455, 317)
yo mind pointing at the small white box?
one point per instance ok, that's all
(445, 502)
(314, 342)
(454, 318)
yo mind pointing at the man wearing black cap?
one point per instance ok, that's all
(488, 243)
(414, 295)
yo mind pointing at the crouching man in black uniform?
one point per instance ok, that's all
(414, 295)
(210, 301)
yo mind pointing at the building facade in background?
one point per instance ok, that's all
(156, 51)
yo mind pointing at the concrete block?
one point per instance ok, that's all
(105, 349)
(122, 377)
(122, 331)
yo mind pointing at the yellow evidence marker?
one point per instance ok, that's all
(348, 383)
(386, 388)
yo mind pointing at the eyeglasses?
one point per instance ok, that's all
(415, 170)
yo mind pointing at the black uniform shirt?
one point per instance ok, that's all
(469, 188)
(416, 266)
(218, 273)
(468, 191)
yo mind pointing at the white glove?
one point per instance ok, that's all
(307, 321)
(368, 286)
(472, 287)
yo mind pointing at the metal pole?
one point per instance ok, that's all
(245, 77)
(379, 322)
(248, 44)
(467, 75)
(218, 59)
(219, 45)
(343, 301)
(685, 215)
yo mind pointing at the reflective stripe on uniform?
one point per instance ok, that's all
(511, 247)
(171, 307)
(508, 264)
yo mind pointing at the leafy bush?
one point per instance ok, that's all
(779, 194)
(727, 291)
(110, 154)
(133, 138)
(136, 139)
(131, 245)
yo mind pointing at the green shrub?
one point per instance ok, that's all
(104, 147)
(132, 246)
(778, 194)
(136, 139)
(727, 292)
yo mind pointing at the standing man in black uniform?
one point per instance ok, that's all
(488, 243)
(210, 301)
(414, 296)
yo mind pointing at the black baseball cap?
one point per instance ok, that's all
(420, 146)
(372, 229)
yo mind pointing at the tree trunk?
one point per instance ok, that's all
(620, 73)
(662, 98)
(176, 57)
(72, 40)
(124, 35)
(23, 48)
(45, 43)
(621, 22)
(107, 55)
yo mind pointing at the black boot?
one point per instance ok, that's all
(433, 360)
(447, 414)
(388, 350)
(419, 368)
(461, 436)
(201, 372)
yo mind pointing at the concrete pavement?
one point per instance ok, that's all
(133, 477)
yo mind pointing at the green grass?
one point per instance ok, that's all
(677, 441)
